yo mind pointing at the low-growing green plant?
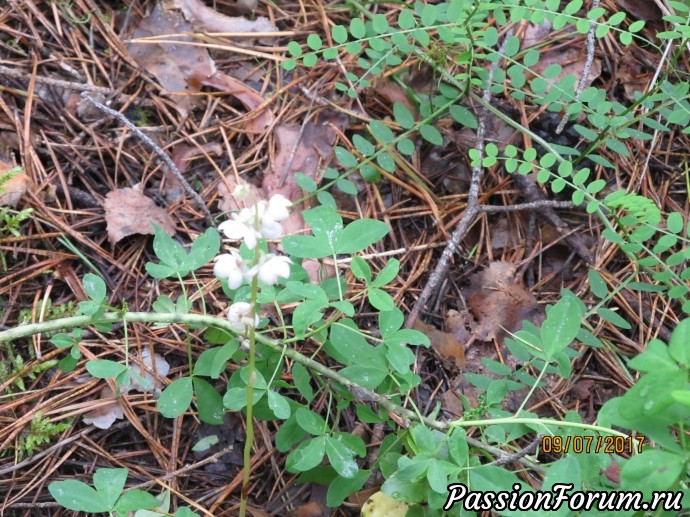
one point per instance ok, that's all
(39, 432)
(10, 219)
(108, 496)
(14, 367)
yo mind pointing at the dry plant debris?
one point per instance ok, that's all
(497, 298)
(129, 212)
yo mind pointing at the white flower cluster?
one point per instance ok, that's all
(262, 220)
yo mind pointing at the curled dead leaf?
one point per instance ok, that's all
(449, 349)
(211, 20)
(181, 156)
(249, 97)
(128, 212)
(178, 67)
(12, 191)
(499, 301)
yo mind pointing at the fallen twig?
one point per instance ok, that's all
(585, 71)
(156, 148)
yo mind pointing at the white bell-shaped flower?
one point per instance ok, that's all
(240, 316)
(230, 266)
(272, 267)
(242, 191)
(278, 207)
(260, 220)
(241, 228)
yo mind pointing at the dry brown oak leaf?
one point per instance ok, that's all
(129, 212)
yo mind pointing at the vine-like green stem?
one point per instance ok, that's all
(358, 391)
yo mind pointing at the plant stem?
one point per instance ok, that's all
(251, 380)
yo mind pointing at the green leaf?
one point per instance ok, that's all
(406, 19)
(235, 399)
(68, 363)
(209, 402)
(387, 274)
(310, 421)
(94, 287)
(674, 223)
(458, 448)
(390, 322)
(307, 246)
(402, 115)
(364, 146)
(380, 299)
(347, 186)
(305, 182)
(360, 234)
(135, 500)
(302, 380)
(168, 251)
(463, 116)
(679, 344)
(613, 317)
(562, 324)
(341, 488)
(307, 456)
(63, 340)
(366, 375)
(109, 484)
(381, 132)
(306, 314)
(399, 357)
(386, 162)
(176, 398)
(104, 369)
(77, 496)
(360, 268)
(341, 457)
(278, 404)
(339, 33)
(294, 48)
(204, 248)
(160, 270)
(431, 134)
(310, 60)
(652, 470)
(492, 478)
(597, 284)
(408, 337)
(406, 146)
(206, 443)
(379, 23)
(345, 157)
(314, 42)
(164, 305)
(211, 362)
(289, 434)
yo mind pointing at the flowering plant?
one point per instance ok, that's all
(252, 274)
(259, 221)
